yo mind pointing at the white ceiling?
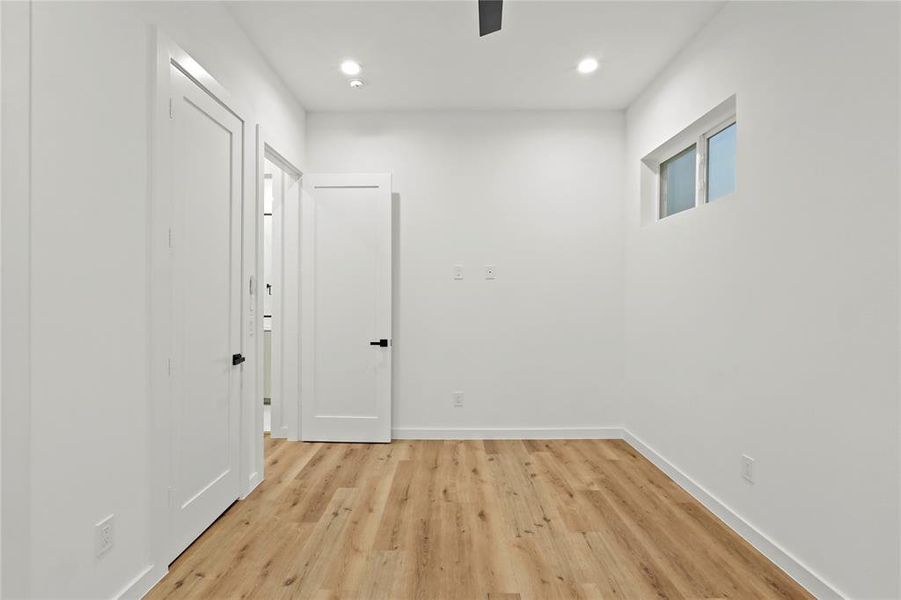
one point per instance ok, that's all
(421, 54)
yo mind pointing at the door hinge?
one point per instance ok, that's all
(171, 235)
(171, 111)
(169, 367)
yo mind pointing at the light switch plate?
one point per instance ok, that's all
(458, 272)
(490, 273)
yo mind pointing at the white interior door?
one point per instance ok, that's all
(206, 264)
(346, 308)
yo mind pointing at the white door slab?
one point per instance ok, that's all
(346, 308)
(206, 264)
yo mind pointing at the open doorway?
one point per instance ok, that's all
(280, 289)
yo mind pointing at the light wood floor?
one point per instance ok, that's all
(467, 520)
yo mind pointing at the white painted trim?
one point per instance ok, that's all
(276, 391)
(142, 583)
(257, 317)
(15, 272)
(793, 567)
(255, 479)
(286, 224)
(505, 433)
(898, 308)
(251, 430)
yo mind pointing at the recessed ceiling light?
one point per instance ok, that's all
(350, 67)
(356, 83)
(588, 65)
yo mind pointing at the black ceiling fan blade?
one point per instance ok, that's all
(490, 16)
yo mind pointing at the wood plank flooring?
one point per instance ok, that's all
(467, 520)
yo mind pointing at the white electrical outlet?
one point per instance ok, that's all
(104, 536)
(489, 272)
(458, 272)
(747, 468)
(458, 399)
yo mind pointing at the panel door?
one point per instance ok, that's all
(206, 265)
(346, 307)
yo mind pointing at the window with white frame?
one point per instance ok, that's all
(695, 167)
(700, 173)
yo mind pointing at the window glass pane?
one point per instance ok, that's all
(721, 163)
(677, 176)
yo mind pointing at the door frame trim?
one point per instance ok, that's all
(250, 465)
(266, 149)
(15, 299)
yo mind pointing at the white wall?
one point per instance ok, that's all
(91, 69)
(766, 323)
(537, 194)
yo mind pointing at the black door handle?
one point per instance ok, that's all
(237, 359)
(382, 342)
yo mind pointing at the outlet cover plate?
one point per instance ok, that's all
(747, 468)
(104, 536)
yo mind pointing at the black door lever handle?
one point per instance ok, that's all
(237, 359)
(382, 343)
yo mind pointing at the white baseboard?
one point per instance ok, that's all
(795, 569)
(252, 482)
(142, 583)
(503, 433)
